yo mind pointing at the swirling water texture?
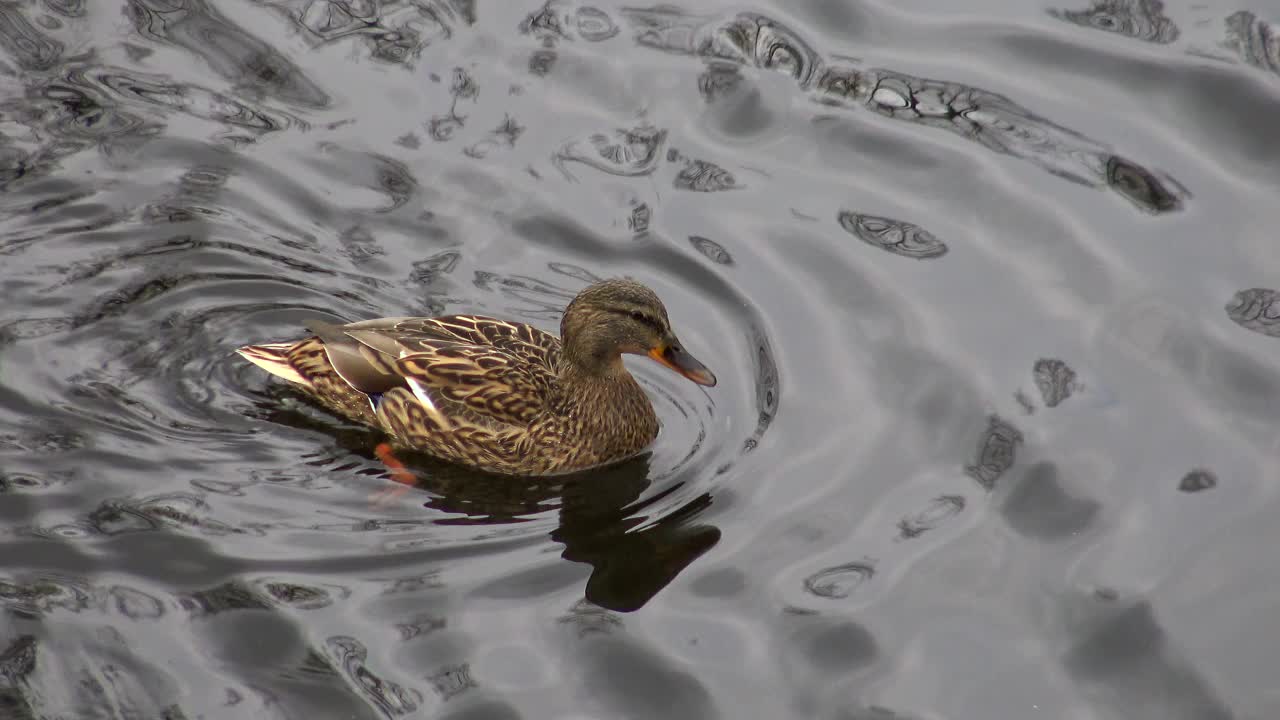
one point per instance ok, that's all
(1036, 471)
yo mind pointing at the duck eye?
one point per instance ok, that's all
(638, 316)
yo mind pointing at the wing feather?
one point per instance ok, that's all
(482, 379)
(459, 368)
(518, 340)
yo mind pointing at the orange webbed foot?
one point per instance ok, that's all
(399, 473)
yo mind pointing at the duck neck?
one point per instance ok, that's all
(594, 373)
(603, 391)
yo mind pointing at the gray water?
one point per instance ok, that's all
(991, 292)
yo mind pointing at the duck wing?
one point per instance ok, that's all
(505, 381)
(485, 380)
(518, 340)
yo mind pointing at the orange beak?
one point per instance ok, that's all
(675, 357)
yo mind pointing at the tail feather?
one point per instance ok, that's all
(273, 357)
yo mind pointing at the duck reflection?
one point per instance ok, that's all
(603, 522)
(635, 547)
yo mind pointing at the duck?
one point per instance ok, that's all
(495, 395)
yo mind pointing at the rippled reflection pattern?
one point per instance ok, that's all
(67, 116)
(766, 386)
(938, 511)
(1041, 504)
(703, 176)
(1138, 19)
(1055, 380)
(502, 137)
(190, 99)
(393, 31)
(17, 663)
(232, 52)
(624, 152)
(895, 236)
(31, 48)
(1256, 309)
(462, 87)
(1256, 41)
(997, 452)
(840, 582)
(184, 537)
(352, 656)
(994, 121)
(711, 249)
(1198, 480)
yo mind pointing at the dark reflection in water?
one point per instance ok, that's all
(68, 116)
(874, 712)
(118, 517)
(624, 676)
(588, 618)
(1256, 309)
(638, 221)
(767, 385)
(395, 32)
(245, 61)
(593, 24)
(558, 20)
(462, 87)
(66, 8)
(602, 522)
(623, 152)
(938, 511)
(895, 236)
(718, 80)
(840, 581)
(1198, 480)
(503, 136)
(1129, 665)
(32, 49)
(1256, 42)
(352, 657)
(17, 662)
(1038, 505)
(996, 452)
(452, 681)
(713, 250)
(703, 176)
(1055, 380)
(994, 121)
(187, 98)
(183, 538)
(1138, 19)
(1137, 185)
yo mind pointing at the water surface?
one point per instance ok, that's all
(992, 292)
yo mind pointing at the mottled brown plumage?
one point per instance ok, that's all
(500, 396)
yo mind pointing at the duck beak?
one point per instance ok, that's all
(675, 357)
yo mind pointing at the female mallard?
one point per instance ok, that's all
(499, 396)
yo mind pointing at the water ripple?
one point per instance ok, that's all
(996, 122)
(1256, 309)
(186, 537)
(623, 152)
(229, 50)
(1138, 19)
(895, 236)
